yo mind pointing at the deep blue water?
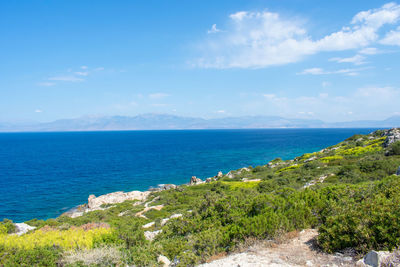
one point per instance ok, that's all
(44, 174)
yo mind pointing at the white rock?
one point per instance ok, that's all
(310, 159)
(220, 174)
(163, 261)
(23, 228)
(115, 197)
(176, 216)
(375, 258)
(148, 225)
(164, 221)
(194, 180)
(150, 235)
(230, 175)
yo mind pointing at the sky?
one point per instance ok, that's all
(328, 60)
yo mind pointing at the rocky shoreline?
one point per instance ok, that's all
(103, 201)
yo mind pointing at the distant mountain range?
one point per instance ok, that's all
(169, 122)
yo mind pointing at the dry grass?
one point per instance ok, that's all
(102, 256)
(217, 257)
(393, 260)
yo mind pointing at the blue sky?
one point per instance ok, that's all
(329, 60)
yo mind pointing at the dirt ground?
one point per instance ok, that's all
(299, 249)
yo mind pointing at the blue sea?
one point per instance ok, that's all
(43, 175)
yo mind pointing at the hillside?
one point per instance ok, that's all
(348, 192)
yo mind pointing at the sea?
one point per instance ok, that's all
(43, 175)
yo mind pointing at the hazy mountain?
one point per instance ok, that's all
(165, 121)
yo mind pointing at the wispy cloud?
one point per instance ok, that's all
(70, 76)
(66, 79)
(356, 60)
(392, 38)
(47, 84)
(213, 29)
(158, 95)
(320, 71)
(361, 103)
(38, 111)
(82, 73)
(262, 39)
(369, 51)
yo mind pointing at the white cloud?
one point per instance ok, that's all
(378, 94)
(356, 60)
(366, 101)
(369, 51)
(326, 84)
(158, 95)
(213, 29)
(84, 67)
(38, 111)
(269, 96)
(47, 84)
(82, 73)
(392, 38)
(66, 79)
(221, 111)
(314, 71)
(159, 105)
(262, 39)
(320, 71)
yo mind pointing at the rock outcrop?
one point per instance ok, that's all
(150, 235)
(392, 135)
(220, 174)
(194, 180)
(163, 261)
(22, 228)
(116, 197)
(373, 259)
(398, 171)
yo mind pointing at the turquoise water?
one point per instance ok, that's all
(44, 174)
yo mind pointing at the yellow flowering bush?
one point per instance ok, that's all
(238, 185)
(67, 239)
(359, 150)
(331, 158)
(292, 167)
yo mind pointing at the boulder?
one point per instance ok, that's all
(392, 135)
(166, 186)
(116, 197)
(220, 174)
(373, 259)
(150, 235)
(163, 261)
(150, 224)
(243, 170)
(194, 180)
(22, 228)
(398, 171)
(310, 159)
(164, 221)
(209, 180)
(230, 175)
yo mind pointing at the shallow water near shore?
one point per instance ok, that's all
(43, 175)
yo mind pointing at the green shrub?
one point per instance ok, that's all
(394, 148)
(38, 256)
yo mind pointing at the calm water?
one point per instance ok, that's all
(44, 174)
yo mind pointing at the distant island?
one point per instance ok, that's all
(172, 122)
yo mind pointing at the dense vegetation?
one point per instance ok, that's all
(348, 191)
